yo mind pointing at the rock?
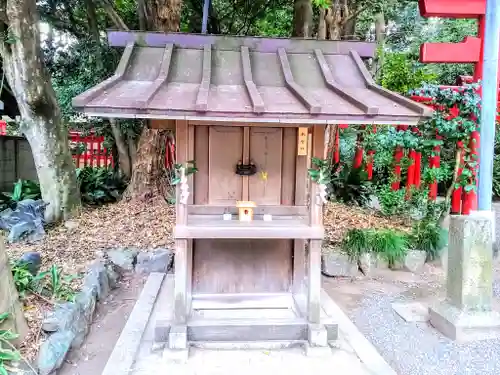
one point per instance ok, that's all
(123, 258)
(61, 318)
(33, 261)
(337, 264)
(159, 260)
(71, 225)
(97, 278)
(86, 304)
(414, 260)
(53, 351)
(20, 368)
(367, 262)
(382, 262)
(374, 203)
(27, 220)
(113, 276)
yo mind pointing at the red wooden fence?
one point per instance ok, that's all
(89, 150)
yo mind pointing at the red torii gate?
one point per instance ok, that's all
(470, 50)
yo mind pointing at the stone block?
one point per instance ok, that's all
(123, 258)
(177, 337)
(414, 260)
(159, 260)
(469, 283)
(367, 263)
(411, 311)
(317, 335)
(97, 278)
(466, 313)
(338, 264)
(463, 326)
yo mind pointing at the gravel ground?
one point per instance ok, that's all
(418, 349)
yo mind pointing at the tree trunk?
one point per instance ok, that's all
(147, 172)
(40, 114)
(115, 17)
(164, 15)
(142, 11)
(302, 18)
(380, 40)
(122, 148)
(322, 24)
(92, 21)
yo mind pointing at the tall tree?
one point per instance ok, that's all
(159, 15)
(24, 67)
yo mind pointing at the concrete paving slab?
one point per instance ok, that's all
(412, 311)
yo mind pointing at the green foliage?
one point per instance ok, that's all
(59, 285)
(23, 189)
(7, 351)
(347, 185)
(391, 245)
(53, 283)
(387, 243)
(392, 202)
(190, 168)
(427, 236)
(355, 243)
(99, 185)
(400, 74)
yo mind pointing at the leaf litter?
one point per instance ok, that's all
(145, 225)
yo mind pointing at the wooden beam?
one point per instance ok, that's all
(297, 90)
(233, 43)
(452, 8)
(161, 79)
(202, 98)
(371, 85)
(253, 93)
(89, 95)
(467, 51)
(339, 90)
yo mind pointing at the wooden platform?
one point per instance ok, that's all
(208, 226)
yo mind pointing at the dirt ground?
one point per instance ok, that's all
(110, 318)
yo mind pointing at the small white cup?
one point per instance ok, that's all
(227, 217)
(268, 217)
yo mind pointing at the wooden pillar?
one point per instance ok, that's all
(316, 219)
(299, 282)
(183, 250)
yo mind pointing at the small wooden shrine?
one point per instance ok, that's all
(251, 112)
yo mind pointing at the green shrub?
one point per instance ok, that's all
(99, 185)
(389, 244)
(23, 189)
(427, 236)
(355, 243)
(346, 185)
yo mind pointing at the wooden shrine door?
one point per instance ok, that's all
(243, 266)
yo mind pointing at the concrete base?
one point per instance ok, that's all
(137, 353)
(464, 326)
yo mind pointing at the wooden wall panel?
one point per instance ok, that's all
(266, 153)
(225, 150)
(201, 155)
(242, 266)
(288, 166)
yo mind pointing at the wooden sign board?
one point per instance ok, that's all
(302, 142)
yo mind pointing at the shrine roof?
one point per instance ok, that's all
(226, 78)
